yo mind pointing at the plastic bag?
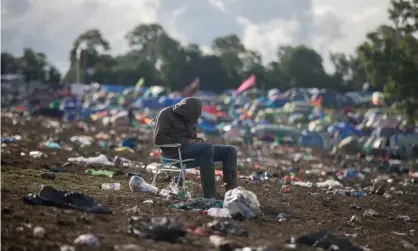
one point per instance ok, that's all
(242, 203)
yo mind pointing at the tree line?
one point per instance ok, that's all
(387, 59)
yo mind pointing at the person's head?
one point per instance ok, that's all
(189, 108)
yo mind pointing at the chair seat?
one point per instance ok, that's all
(176, 163)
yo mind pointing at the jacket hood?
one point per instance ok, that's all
(189, 108)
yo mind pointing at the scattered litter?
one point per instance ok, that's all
(82, 140)
(138, 184)
(36, 154)
(110, 186)
(330, 184)
(242, 203)
(399, 234)
(103, 173)
(51, 145)
(128, 247)
(354, 219)
(158, 228)
(48, 176)
(370, 213)
(199, 204)
(87, 240)
(227, 228)
(67, 248)
(404, 217)
(223, 244)
(302, 184)
(283, 217)
(49, 196)
(101, 159)
(323, 239)
(39, 232)
(219, 212)
(407, 245)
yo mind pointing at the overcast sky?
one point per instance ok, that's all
(50, 26)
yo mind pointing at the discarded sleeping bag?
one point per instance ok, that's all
(49, 196)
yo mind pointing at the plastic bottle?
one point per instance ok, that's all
(138, 184)
(357, 194)
(110, 186)
(52, 145)
(219, 212)
(104, 173)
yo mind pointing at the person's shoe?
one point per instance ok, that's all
(229, 186)
(219, 196)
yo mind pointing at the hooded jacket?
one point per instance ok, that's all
(177, 124)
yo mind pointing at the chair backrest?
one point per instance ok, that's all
(152, 124)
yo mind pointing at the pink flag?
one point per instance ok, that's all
(249, 82)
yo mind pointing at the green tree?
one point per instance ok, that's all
(377, 53)
(390, 55)
(9, 63)
(349, 72)
(230, 51)
(33, 65)
(84, 55)
(301, 67)
(143, 39)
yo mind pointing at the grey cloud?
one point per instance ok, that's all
(52, 26)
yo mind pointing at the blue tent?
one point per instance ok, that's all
(345, 130)
(311, 139)
(115, 88)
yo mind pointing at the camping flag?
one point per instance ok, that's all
(317, 102)
(139, 84)
(249, 82)
(191, 89)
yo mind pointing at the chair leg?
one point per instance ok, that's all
(184, 181)
(155, 175)
(183, 177)
(179, 177)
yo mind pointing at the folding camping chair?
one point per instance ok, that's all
(171, 165)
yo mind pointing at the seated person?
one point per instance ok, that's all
(178, 124)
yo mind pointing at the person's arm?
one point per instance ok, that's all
(164, 134)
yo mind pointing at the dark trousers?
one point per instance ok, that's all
(205, 155)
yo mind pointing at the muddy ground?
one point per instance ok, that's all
(310, 209)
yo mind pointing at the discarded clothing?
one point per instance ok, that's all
(49, 196)
(199, 204)
(227, 228)
(158, 228)
(323, 239)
